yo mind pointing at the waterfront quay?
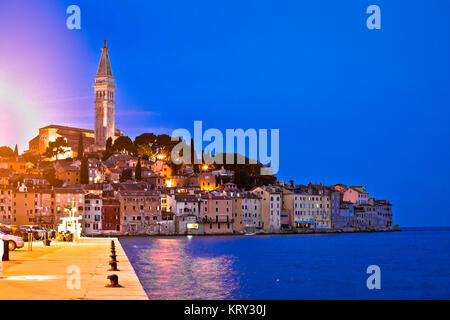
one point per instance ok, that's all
(51, 273)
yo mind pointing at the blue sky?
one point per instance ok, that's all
(353, 105)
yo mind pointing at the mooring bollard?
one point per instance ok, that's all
(46, 239)
(5, 255)
(113, 265)
(30, 241)
(113, 281)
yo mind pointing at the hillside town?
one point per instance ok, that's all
(160, 202)
(122, 187)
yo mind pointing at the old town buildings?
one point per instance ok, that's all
(151, 206)
(116, 192)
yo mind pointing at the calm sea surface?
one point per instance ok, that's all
(415, 264)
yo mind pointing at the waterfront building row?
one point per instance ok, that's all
(139, 208)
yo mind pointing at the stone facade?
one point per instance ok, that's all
(104, 100)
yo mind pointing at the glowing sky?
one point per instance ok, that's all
(40, 65)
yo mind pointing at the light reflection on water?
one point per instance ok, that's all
(329, 266)
(169, 271)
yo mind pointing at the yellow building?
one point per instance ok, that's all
(38, 145)
(237, 212)
(4, 178)
(23, 206)
(246, 208)
(216, 213)
(271, 206)
(69, 174)
(311, 209)
(17, 165)
(288, 203)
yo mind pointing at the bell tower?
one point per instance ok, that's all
(104, 100)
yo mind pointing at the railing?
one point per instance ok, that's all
(218, 219)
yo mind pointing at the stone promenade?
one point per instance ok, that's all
(49, 273)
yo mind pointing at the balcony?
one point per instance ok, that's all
(218, 219)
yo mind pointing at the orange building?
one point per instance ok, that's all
(216, 213)
(207, 181)
(24, 202)
(5, 175)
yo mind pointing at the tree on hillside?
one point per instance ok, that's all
(126, 175)
(138, 171)
(109, 143)
(6, 152)
(151, 145)
(194, 155)
(164, 145)
(240, 162)
(242, 179)
(16, 151)
(176, 168)
(124, 144)
(146, 152)
(145, 139)
(108, 150)
(221, 180)
(55, 148)
(263, 180)
(84, 171)
(80, 147)
(29, 157)
(50, 176)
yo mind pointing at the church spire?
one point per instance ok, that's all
(104, 100)
(104, 66)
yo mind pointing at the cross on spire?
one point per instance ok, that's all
(104, 66)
